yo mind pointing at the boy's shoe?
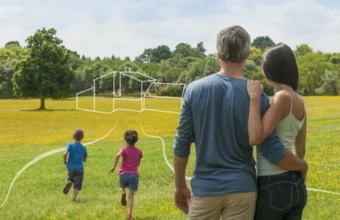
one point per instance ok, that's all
(123, 200)
(67, 188)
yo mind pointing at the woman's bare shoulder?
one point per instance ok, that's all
(282, 97)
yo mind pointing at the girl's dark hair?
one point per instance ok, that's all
(279, 65)
(131, 137)
(78, 134)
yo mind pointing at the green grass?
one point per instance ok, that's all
(37, 194)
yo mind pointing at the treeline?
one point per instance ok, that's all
(319, 72)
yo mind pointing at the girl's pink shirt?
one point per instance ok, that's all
(131, 158)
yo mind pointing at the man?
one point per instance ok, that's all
(215, 117)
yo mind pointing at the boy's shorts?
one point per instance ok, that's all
(130, 181)
(77, 177)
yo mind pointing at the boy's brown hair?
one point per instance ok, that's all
(131, 137)
(78, 134)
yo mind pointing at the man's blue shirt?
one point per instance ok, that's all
(215, 117)
(77, 153)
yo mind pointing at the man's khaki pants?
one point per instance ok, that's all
(237, 206)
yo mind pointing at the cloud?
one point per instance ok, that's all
(126, 28)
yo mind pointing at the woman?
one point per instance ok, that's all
(282, 194)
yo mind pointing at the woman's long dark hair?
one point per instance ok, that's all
(279, 65)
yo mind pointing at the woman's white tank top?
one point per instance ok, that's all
(287, 129)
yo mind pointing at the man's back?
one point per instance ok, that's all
(225, 163)
(214, 115)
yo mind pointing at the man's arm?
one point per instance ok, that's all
(183, 140)
(275, 152)
(180, 163)
(184, 137)
(291, 162)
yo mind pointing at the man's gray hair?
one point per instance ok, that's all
(233, 44)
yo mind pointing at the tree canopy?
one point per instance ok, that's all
(302, 50)
(46, 69)
(155, 55)
(262, 42)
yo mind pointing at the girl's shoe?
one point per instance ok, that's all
(129, 217)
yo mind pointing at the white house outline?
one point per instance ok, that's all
(143, 95)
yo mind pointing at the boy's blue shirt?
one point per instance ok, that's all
(77, 153)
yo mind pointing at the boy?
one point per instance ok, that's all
(77, 154)
(129, 168)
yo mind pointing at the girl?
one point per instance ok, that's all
(129, 168)
(282, 194)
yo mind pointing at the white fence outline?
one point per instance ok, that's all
(77, 101)
(165, 97)
(143, 95)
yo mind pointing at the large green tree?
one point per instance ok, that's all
(331, 85)
(187, 51)
(162, 52)
(312, 68)
(212, 66)
(6, 74)
(319, 72)
(155, 55)
(256, 56)
(302, 50)
(9, 56)
(335, 58)
(75, 62)
(44, 71)
(12, 43)
(263, 42)
(200, 47)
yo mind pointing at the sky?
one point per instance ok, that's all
(127, 27)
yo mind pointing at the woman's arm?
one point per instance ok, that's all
(300, 145)
(300, 141)
(258, 128)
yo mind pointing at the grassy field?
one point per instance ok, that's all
(37, 194)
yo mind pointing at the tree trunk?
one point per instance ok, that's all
(42, 103)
